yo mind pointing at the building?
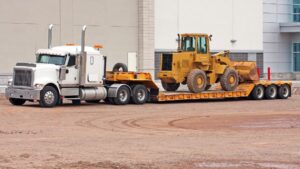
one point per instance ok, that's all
(124, 27)
(282, 38)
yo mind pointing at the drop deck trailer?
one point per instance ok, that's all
(256, 91)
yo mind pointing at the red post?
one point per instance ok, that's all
(269, 73)
(258, 72)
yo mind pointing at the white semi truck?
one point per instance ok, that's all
(70, 72)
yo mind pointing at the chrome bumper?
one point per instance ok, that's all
(27, 94)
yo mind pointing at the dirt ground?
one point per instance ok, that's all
(192, 135)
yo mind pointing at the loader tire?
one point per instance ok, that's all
(120, 67)
(197, 81)
(229, 80)
(170, 87)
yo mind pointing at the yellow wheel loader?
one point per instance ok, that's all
(194, 65)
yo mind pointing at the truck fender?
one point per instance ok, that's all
(54, 85)
(113, 90)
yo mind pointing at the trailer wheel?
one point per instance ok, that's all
(123, 96)
(17, 102)
(271, 92)
(284, 92)
(49, 97)
(197, 81)
(140, 94)
(93, 101)
(120, 67)
(258, 93)
(229, 80)
(171, 87)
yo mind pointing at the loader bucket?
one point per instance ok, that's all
(247, 71)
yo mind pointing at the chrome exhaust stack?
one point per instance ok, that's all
(50, 35)
(82, 74)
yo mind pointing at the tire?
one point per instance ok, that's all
(123, 96)
(197, 81)
(258, 92)
(93, 101)
(271, 92)
(229, 80)
(17, 102)
(170, 87)
(284, 92)
(120, 67)
(140, 94)
(76, 102)
(49, 97)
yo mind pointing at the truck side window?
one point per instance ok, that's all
(202, 47)
(72, 61)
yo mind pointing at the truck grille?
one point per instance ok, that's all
(167, 60)
(23, 77)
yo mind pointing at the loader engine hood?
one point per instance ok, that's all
(30, 74)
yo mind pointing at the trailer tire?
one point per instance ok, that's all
(49, 97)
(170, 87)
(271, 92)
(17, 102)
(229, 80)
(140, 94)
(284, 92)
(120, 67)
(123, 96)
(258, 92)
(197, 81)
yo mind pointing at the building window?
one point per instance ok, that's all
(296, 55)
(296, 10)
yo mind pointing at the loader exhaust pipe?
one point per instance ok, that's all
(83, 38)
(50, 36)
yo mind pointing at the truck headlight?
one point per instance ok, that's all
(39, 86)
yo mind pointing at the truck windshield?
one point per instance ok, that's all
(188, 44)
(51, 59)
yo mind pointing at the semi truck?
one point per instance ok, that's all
(78, 73)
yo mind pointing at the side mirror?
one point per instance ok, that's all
(210, 37)
(62, 73)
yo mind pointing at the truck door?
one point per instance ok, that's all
(202, 55)
(72, 73)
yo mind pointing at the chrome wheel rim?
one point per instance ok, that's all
(260, 93)
(273, 92)
(285, 92)
(141, 94)
(49, 97)
(123, 95)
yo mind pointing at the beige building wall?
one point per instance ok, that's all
(113, 23)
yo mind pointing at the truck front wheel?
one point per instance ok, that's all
(49, 97)
(17, 102)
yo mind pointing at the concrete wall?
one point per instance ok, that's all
(277, 46)
(23, 27)
(239, 20)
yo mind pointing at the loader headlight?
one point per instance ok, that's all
(39, 86)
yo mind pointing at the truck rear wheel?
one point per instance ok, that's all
(17, 102)
(284, 92)
(229, 80)
(49, 97)
(120, 67)
(140, 94)
(197, 81)
(123, 96)
(271, 92)
(258, 92)
(171, 87)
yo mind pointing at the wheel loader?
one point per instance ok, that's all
(194, 65)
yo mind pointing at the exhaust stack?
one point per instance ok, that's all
(50, 36)
(82, 74)
(83, 38)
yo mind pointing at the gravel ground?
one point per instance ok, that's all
(193, 135)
